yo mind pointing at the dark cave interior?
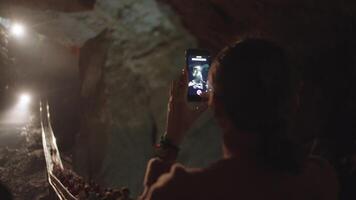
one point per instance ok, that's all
(105, 69)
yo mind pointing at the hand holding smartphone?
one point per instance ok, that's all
(198, 65)
(191, 85)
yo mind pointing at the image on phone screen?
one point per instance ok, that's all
(198, 68)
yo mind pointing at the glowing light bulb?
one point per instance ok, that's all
(17, 30)
(24, 99)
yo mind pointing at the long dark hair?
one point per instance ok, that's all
(252, 81)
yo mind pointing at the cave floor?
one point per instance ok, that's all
(22, 163)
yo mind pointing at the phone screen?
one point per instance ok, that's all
(198, 63)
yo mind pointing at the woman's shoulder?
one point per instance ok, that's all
(318, 162)
(321, 176)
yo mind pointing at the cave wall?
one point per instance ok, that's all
(63, 5)
(129, 51)
(302, 27)
(5, 63)
(126, 72)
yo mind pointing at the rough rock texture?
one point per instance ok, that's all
(145, 38)
(22, 164)
(126, 73)
(129, 53)
(5, 61)
(63, 5)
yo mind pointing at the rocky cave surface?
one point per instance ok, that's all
(22, 164)
(127, 52)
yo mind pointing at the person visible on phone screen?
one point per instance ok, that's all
(252, 99)
(198, 81)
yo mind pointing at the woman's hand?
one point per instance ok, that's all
(180, 115)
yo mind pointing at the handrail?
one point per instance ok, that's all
(65, 194)
(52, 155)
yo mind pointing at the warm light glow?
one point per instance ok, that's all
(17, 30)
(25, 99)
(20, 112)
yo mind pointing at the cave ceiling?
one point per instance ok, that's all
(62, 5)
(215, 23)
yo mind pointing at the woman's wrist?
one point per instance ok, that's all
(166, 150)
(168, 141)
(174, 139)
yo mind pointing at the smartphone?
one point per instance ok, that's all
(198, 65)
